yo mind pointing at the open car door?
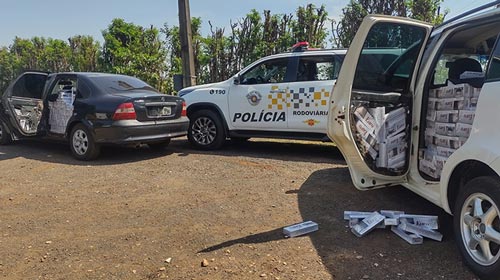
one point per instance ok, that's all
(371, 105)
(23, 102)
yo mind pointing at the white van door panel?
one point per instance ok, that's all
(356, 84)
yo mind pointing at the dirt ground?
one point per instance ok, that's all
(143, 214)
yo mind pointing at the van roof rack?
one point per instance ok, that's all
(470, 12)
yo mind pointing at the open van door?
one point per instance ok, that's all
(373, 98)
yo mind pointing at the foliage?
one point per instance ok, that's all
(356, 10)
(136, 51)
(153, 54)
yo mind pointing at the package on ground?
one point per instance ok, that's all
(411, 238)
(367, 224)
(300, 229)
(411, 228)
(422, 231)
(431, 222)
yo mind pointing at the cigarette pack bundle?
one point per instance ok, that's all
(428, 168)
(429, 136)
(392, 151)
(411, 228)
(449, 104)
(395, 121)
(431, 222)
(300, 229)
(447, 141)
(463, 130)
(449, 116)
(445, 152)
(422, 231)
(411, 238)
(364, 116)
(466, 116)
(446, 129)
(368, 224)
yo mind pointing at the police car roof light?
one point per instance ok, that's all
(300, 46)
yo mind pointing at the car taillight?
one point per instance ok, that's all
(125, 111)
(184, 109)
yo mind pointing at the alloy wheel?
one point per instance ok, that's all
(204, 131)
(480, 228)
(80, 142)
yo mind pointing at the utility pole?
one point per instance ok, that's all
(186, 36)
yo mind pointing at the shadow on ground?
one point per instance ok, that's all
(114, 155)
(381, 254)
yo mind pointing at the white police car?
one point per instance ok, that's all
(428, 120)
(279, 96)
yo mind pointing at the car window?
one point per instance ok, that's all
(29, 86)
(64, 85)
(270, 71)
(120, 84)
(318, 68)
(388, 57)
(83, 90)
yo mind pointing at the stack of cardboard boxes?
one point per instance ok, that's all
(61, 111)
(450, 114)
(382, 136)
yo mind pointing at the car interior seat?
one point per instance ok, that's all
(461, 65)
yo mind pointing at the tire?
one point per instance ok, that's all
(5, 137)
(476, 225)
(206, 131)
(82, 144)
(159, 145)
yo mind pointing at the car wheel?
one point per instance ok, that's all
(477, 226)
(82, 143)
(5, 137)
(206, 131)
(159, 145)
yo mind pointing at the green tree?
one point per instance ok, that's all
(356, 10)
(134, 50)
(85, 52)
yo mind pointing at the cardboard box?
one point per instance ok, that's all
(429, 136)
(395, 122)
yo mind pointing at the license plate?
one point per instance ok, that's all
(160, 111)
(166, 111)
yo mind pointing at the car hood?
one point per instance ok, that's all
(187, 90)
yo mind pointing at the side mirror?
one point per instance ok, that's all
(236, 80)
(53, 97)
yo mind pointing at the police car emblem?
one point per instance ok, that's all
(254, 98)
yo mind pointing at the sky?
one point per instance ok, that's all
(61, 19)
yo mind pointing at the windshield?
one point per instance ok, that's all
(120, 84)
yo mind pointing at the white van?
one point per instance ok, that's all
(428, 120)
